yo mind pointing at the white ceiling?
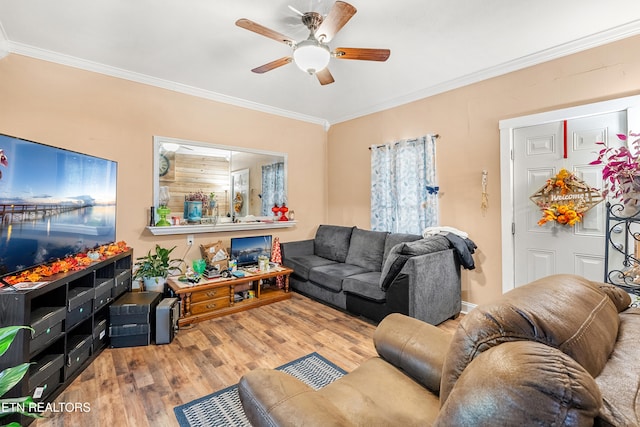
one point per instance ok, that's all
(194, 46)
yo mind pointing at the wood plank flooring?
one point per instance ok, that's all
(140, 386)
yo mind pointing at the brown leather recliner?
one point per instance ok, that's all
(559, 351)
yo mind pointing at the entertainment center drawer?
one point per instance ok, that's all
(79, 296)
(210, 305)
(47, 325)
(122, 282)
(103, 293)
(79, 350)
(223, 291)
(79, 314)
(45, 375)
(100, 336)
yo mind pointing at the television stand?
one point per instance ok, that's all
(217, 297)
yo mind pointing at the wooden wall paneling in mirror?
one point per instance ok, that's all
(197, 172)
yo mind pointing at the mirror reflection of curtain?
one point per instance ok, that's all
(403, 186)
(272, 187)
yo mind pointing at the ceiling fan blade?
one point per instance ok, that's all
(272, 65)
(264, 31)
(338, 16)
(296, 11)
(362, 54)
(325, 77)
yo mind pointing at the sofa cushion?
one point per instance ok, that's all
(619, 381)
(394, 239)
(366, 249)
(332, 242)
(330, 276)
(402, 252)
(365, 285)
(302, 264)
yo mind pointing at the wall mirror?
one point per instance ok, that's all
(237, 185)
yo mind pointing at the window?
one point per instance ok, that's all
(403, 186)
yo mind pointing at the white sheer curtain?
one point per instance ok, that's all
(272, 187)
(403, 186)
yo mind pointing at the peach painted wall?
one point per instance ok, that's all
(117, 119)
(467, 121)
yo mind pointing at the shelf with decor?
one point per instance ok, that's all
(68, 313)
(218, 228)
(622, 248)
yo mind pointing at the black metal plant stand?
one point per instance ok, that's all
(627, 276)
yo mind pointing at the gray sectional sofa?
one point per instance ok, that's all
(373, 273)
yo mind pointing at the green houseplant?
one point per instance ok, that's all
(155, 267)
(12, 376)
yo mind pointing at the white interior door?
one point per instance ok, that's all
(539, 154)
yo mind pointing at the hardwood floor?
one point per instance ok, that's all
(140, 386)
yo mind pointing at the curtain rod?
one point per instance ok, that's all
(436, 136)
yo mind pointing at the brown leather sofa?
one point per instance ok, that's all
(559, 351)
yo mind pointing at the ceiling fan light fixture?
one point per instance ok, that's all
(170, 146)
(311, 56)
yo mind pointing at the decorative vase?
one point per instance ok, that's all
(199, 266)
(193, 210)
(630, 199)
(163, 211)
(283, 213)
(630, 207)
(276, 257)
(276, 210)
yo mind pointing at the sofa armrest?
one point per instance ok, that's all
(416, 347)
(298, 248)
(435, 293)
(274, 398)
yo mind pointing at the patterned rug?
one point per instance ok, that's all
(223, 408)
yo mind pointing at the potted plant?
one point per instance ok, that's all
(621, 171)
(12, 376)
(155, 267)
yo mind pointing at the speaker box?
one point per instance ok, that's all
(167, 314)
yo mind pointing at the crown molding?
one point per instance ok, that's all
(608, 36)
(604, 37)
(71, 61)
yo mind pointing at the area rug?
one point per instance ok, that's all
(223, 408)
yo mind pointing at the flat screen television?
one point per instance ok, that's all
(246, 250)
(53, 203)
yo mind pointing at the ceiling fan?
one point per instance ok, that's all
(313, 54)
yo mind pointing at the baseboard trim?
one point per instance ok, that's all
(467, 307)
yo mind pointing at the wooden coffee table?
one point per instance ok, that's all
(217, 297)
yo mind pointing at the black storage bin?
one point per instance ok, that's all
(134, 308)
(100, 335)
(130, 335)
(47, 325)
(45, 375)
(80, 305)
(103, 293)
(122, 282)
(78, 352)
(79, 314)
